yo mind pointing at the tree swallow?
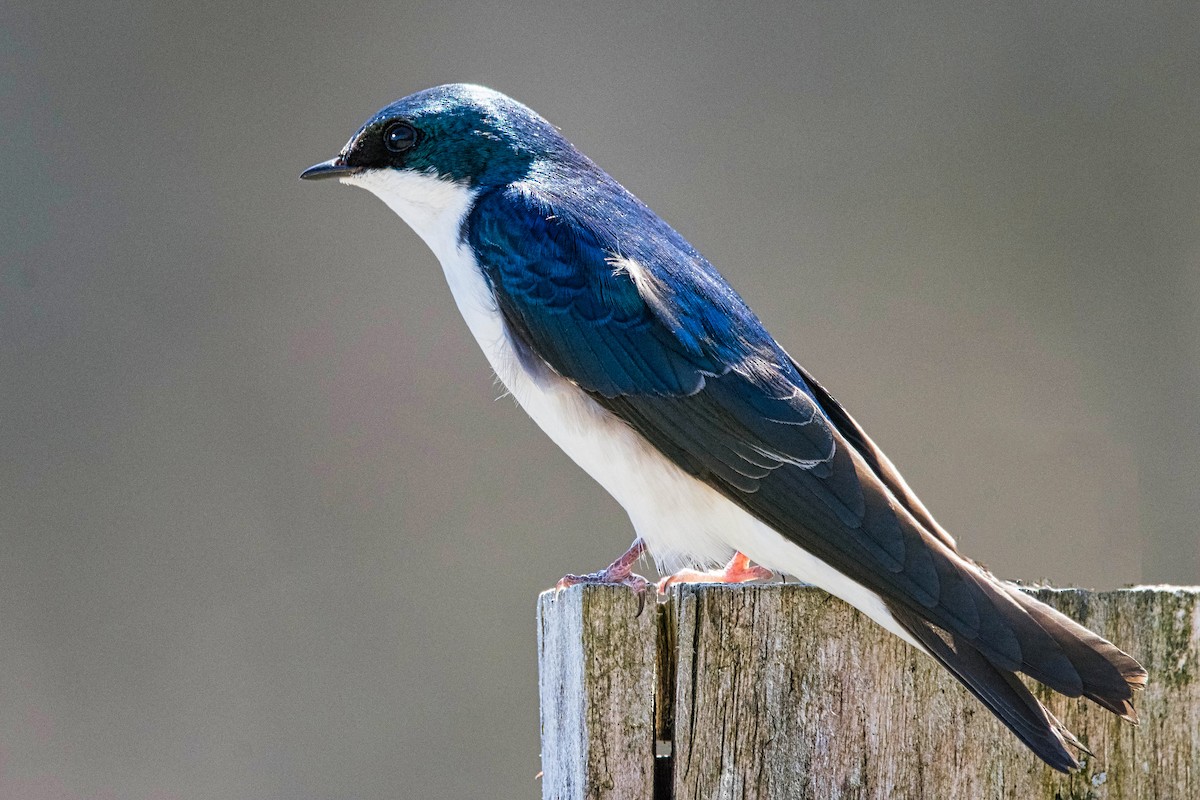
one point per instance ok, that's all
(637, 358)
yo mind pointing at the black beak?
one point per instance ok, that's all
(333, 168)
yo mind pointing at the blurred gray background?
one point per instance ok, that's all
(265, 530)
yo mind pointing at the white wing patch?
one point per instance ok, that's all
(648, 286)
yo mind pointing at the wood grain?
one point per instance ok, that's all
(596, 657)
(782, 691)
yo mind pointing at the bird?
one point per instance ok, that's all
(638, 359)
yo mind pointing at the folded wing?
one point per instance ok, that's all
(649, 329)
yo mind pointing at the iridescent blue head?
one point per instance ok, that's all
(468, 134)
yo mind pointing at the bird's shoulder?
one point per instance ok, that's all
(580, 215)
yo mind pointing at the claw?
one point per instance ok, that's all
(619, 572)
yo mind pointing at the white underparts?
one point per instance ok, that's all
(684, 521)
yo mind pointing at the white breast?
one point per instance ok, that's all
(683, 521)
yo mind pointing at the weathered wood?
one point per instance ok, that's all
(596, 657)
(784, 692)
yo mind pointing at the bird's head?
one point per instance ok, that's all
(426, 154)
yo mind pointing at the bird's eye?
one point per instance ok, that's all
(399, 137)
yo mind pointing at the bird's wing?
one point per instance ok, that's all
(654, 335)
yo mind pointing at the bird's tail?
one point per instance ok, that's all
(1105, 674)
(1109, 675)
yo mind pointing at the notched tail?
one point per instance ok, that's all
(1106, 675)
(1001, 691)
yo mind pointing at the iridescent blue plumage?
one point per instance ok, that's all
(563, 253)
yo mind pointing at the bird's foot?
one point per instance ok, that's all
(619, 572)
(738, 570)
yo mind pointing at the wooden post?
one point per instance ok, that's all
(782, 691)
(596, 657)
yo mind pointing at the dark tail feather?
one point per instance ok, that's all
(1019, 633)
(1109, 676)
(1001, 691)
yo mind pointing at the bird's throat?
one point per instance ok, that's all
(434, 207)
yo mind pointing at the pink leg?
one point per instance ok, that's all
(620, 572)
(738, 570)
